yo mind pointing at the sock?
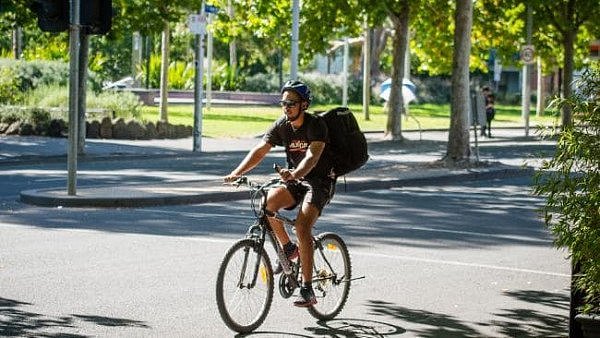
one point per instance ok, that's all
(288, 247)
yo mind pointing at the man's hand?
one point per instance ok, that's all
(231, 178)
(286, 175)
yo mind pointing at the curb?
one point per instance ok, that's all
(42, 198)
(55, 198)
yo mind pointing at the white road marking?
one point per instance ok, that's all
(474, 265)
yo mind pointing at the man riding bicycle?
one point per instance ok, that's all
(309, 180)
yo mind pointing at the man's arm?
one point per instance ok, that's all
(313, 153)
(255, 155)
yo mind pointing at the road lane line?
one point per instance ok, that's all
(473, 265)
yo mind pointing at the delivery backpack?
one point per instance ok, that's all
(347, 142)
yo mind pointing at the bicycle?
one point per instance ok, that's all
(245, 280)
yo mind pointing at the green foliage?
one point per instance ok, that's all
(9, 86)
(32, 74)
(570, 182)
(327, 89)
(10, 114)
(224, 77)
(261, 82)
(152, 77)
(123, 104)
(181, 75)
(38, 118)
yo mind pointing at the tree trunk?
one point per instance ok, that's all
(458, 138)
(17, 42)
(396, 101)
(378, 42)
(164, 74)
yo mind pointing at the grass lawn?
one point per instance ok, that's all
(241, 121)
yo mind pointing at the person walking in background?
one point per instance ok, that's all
(490, 111)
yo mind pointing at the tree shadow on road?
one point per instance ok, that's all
(339, 327)
(432, 324)
(16, 321)
(524, 321)
(529, 322)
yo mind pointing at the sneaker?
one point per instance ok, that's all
(306, 298)
(291, 252)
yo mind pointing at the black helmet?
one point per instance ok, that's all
(299, 87)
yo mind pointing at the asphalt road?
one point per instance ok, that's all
(459, 260)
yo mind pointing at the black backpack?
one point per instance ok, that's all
(347, 142)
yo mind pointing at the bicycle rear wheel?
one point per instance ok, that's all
(244, 290)
(332, 274)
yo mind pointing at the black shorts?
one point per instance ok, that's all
(315, 191)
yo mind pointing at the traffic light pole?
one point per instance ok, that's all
(74, 49)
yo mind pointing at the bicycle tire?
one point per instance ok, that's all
(331, 296)
(254, 303)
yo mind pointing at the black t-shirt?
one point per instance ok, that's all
(296, 142)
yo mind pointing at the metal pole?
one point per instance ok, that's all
(209, 56)
(198, 95)
(83, 61)
(295, 33)
(526, 97)
(345, 73)
(74, 48)
(367, 70)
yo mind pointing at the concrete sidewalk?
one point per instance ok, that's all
(392, 164)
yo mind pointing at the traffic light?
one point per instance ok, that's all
(54, 15)
(96, 16)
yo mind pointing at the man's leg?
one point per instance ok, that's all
(279, 198)
(307, 216)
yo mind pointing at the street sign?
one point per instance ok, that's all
(211, 9)
(527, 54)
(197, 23)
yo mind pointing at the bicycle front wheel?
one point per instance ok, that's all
(244, 286)
(332, 274)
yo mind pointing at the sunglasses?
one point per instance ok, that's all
(288, 103)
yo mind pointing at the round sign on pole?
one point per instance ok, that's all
(527, 54)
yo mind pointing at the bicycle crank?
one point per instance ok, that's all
(287, 285)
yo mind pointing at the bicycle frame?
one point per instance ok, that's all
(262, 228)
(238, 270)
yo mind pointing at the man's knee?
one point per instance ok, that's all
(279, 198)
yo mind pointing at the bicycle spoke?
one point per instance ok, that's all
(331, 261)
(244, 306)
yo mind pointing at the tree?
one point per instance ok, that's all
(151, 17)
(399, 13)
(458, 136)
(566, 19)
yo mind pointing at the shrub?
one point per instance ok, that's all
(10, 114)
(181, 75)
(37, 120)
(9, 86)
(32, 74)
(265, 83)
(123, 104)
(570, 182)
(48, 96)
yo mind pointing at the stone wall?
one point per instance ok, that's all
(106, 128)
